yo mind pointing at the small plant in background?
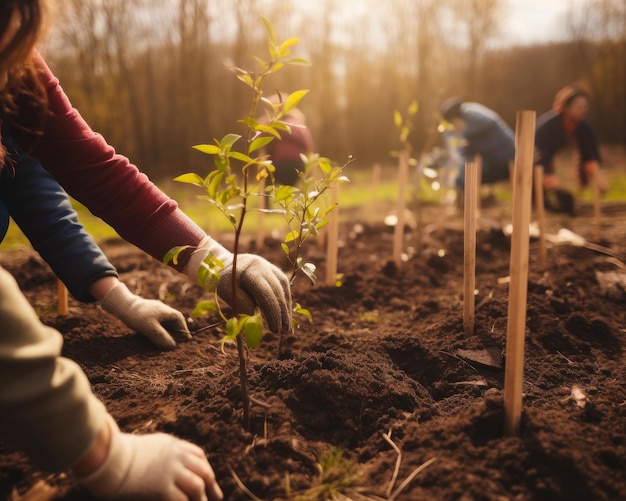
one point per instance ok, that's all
(404, 125)
(230, 191)
(305, 216)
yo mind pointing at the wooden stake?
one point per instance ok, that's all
(332, 237)
(540, 212)
(403, 179)
(518, 288)
(479, 182)
(469, 253)
(63, 298)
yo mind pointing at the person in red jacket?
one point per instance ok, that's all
(286, 152)
(47, 408)
(566, 123)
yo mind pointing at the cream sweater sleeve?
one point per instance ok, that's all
(47, 409)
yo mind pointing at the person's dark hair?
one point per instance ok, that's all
(567, 95)
(451, 108)
(17, 57)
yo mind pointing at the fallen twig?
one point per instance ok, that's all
(394, 477)
(391, 496)
(242, 486)
(410, 478)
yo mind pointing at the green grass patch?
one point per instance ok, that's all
(359, 192)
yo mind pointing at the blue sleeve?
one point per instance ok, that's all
(480, 121)
(43, 211)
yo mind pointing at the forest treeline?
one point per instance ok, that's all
(152, 75)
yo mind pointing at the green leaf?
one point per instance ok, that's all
(321, 224)
(413, 107)
(290, 42)
(247, 79)
(259, 142)
(298, 309)
(285, 248)
(293, 99)
(325, 165)
(300, 61)
(269, 28)
(241, 156)
(277, 66)
(233, 327)
(209, 271)
(204, 308)
(228, 141)
(232, 331)
(397, 118)
(269, 130)
(209, 149)
(215, 184)
(404, 133)
(253, 330)
(190, 178)
(284, 192)
(291, 236)
(172, 254)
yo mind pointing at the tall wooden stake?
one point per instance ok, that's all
(333, 236)
(518, 288)
(478, 160)
(469, 253)
(63, 298)
(403, 179)
(540, 212)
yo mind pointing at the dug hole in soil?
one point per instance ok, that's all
(384, 367)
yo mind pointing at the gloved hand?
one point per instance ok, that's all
(146, 316)
(155, 467)
(258, 283)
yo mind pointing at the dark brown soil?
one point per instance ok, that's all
(386, 354)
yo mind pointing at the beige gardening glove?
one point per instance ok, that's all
(258, 284)
(155, 467)
(146, 316)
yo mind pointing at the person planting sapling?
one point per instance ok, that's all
(47, 408)
(44, 213)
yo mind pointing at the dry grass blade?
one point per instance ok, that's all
(242, 486)
(410, 478)
(394, 477)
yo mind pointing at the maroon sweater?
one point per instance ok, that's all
(105, 182)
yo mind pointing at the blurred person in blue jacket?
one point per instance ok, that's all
(480, 131)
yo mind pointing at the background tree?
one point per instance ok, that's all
(150, 75)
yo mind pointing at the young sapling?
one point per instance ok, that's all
(230, 191)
